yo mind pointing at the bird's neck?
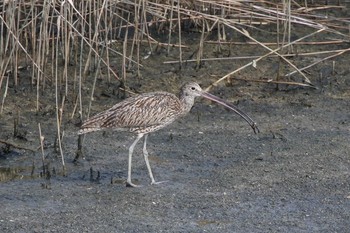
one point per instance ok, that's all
(187, 102)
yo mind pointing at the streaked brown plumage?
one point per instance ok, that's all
(140, 114)
(149, 112)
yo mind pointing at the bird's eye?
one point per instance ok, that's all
(193, 88)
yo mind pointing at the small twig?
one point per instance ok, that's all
(74, 107)
(16, 146)
(126, 90)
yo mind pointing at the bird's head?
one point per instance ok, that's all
(191, 90)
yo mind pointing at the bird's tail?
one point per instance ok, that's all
(87, 130)
(92, 124)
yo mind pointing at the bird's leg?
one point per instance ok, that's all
(145, 154)
(131, 150)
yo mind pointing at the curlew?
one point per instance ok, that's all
(149, 112)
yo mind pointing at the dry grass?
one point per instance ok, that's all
(46, 37)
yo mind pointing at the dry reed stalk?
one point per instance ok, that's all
(91, 16)
(275, 51)
(5, 94)
(125, 47)
(243, 32)
(287, 24)
(41, 139)
(66, 42)
(338, 53)
(179, 32)
(200, 48)
(253, 63)
(170, 25)
(59, 112)
(257, 56)
(151, 40)
(317, 43)
(109, 30)
(273, 81)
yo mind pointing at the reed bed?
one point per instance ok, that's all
(61, 43)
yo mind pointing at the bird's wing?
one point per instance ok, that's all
(150, 109)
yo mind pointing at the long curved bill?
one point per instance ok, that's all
(230, 106)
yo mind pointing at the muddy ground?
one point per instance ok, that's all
(292, 177)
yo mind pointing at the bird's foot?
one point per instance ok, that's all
(132, 185)
(158, 182)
